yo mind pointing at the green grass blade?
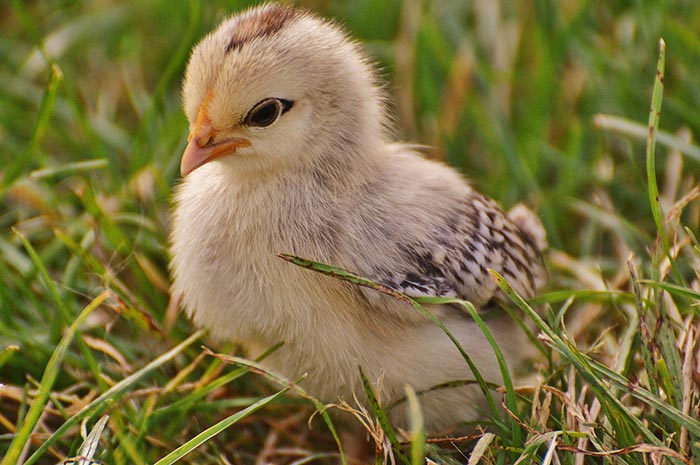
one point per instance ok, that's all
(281, 380)
(593, 372)
(585, 295)
(54, 293)
(187, 402)
(673, 289)
(110, 396)
(652, 186)
(654, 116)
(608, 399)
(500, 358)
(46, 108)
(63, 310)
(47, 381)
(640, 393)
(381, 417)
(360, 281)
(212, 431)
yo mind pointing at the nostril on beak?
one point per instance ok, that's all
(203, 141)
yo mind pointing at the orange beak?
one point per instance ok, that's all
(201, 148)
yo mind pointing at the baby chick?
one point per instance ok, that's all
(289, 151)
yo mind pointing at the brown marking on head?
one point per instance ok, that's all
(260, 23)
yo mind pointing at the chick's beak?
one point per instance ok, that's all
(201, 146)
(202, 149)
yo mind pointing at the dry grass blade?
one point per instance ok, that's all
(86, 453)
(480, 448)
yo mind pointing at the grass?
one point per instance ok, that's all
(543, 102)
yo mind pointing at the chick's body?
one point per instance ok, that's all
(320, 179)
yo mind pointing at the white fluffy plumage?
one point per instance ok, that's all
(289, 152)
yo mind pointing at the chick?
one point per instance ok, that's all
(290, 151)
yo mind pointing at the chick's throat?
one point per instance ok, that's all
(201, 146)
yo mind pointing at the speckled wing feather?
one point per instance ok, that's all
(455, 262)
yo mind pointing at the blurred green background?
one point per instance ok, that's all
(91, 132)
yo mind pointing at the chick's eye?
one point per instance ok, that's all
(266, 112)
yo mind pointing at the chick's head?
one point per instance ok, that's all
(277, 88)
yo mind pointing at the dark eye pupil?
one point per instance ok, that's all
(265, 114)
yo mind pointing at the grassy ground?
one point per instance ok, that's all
(545, 102)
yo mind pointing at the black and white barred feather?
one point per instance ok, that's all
(455, 258)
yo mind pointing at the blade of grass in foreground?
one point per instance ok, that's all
(187, 402)
(594, 372)
(63, 311)
(279, 379)
(622, 420)
(47, 381)
(212, 431)
(89, 448)
(360, 281)
(500, 358)
(109, 396)
(382, 418)
(673, 289)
